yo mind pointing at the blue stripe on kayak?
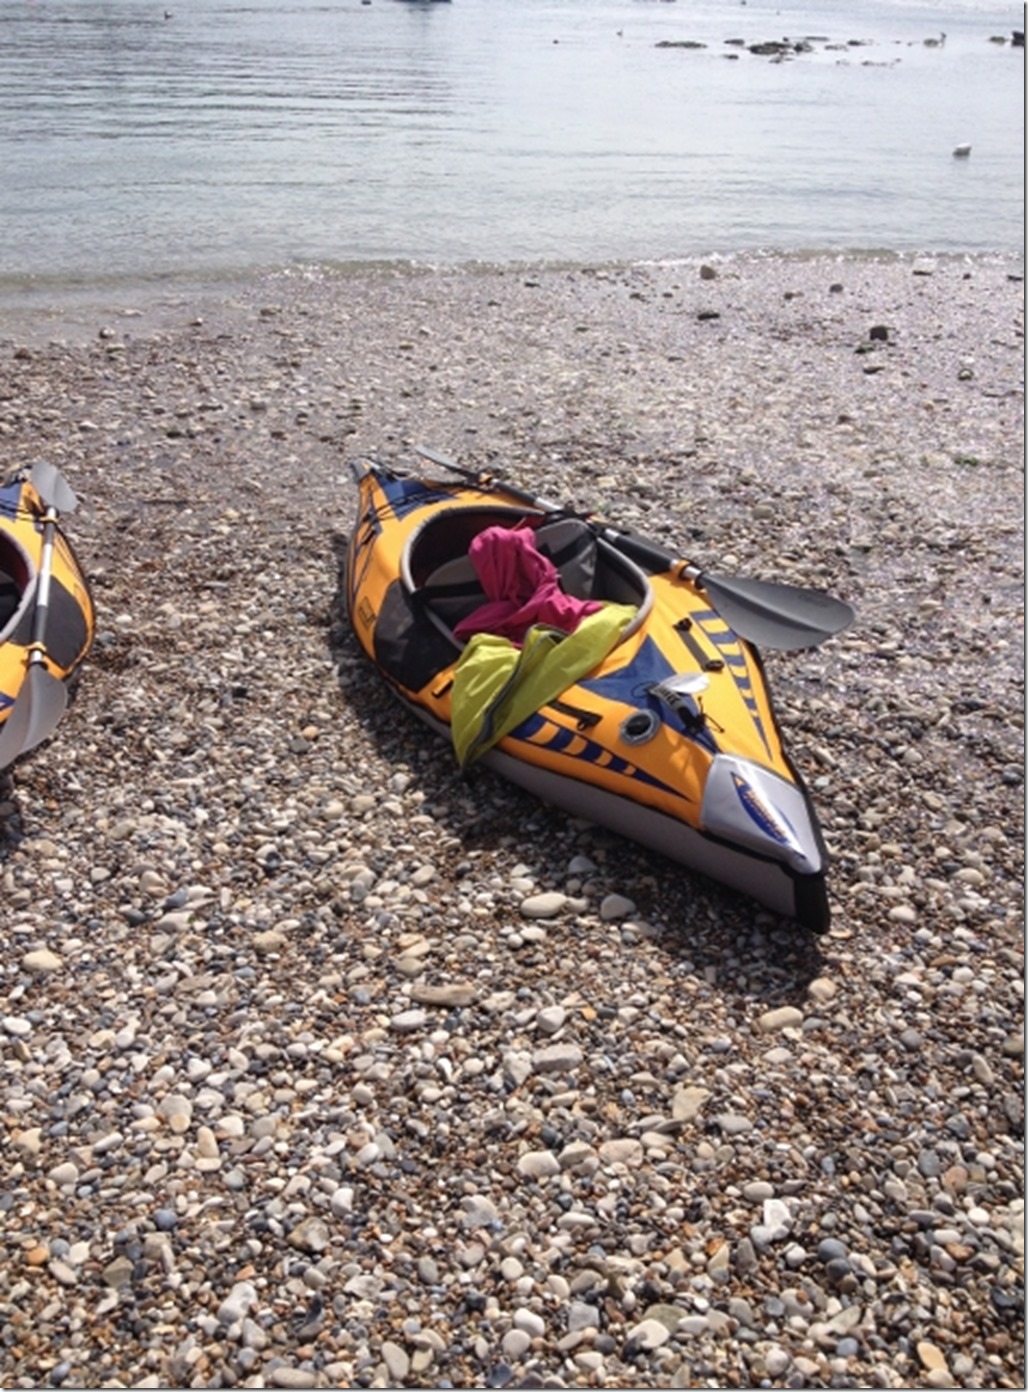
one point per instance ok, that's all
(560, 739)
(10, 500)
(407, 495)
(546, 734)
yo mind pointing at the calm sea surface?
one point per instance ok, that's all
(210, 139)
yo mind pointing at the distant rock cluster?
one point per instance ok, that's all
(781, 49)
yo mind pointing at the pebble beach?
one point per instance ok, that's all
(323, 1064)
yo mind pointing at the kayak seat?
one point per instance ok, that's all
(571, 546)
(453, 591)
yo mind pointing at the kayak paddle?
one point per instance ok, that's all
(772, 615)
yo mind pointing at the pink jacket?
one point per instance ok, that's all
(523, 587)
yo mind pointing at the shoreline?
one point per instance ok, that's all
(658, 1139)
(28, 309)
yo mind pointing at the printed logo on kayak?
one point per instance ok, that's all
(759, 812)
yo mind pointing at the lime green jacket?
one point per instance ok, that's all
(496, 685)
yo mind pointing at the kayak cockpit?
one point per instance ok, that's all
(437, 568)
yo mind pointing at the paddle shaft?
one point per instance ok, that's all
(46, 563)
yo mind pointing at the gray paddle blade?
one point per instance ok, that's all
(50, 484)
(777, 616)
(35, 714)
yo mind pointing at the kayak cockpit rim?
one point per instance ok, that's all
(435, 564)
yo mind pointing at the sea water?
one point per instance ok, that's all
(202, 140)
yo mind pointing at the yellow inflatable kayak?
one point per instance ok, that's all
(46, 611)
(638, 703)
